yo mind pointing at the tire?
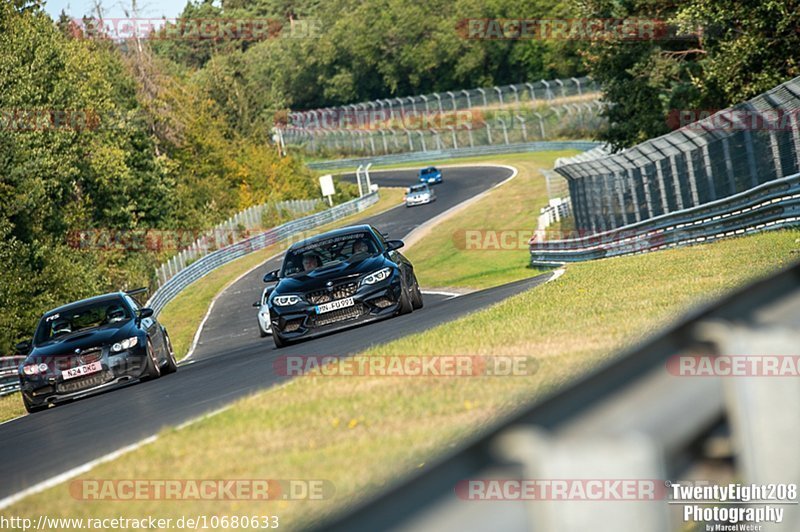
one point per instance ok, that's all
(416, 296)
(405, 301)
(279, 342)
(153, 369)
(33, 409)
(172, 364)
(261, 332)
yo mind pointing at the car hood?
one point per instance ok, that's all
(317, 279)
(418, 194)
(84, 340)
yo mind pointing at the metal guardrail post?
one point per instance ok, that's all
(499, 96)
(469, 103)
(453, 133)
(483, 94)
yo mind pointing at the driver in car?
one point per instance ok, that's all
(114, 313)
(60, 327)
(360, 246)
(311, 262)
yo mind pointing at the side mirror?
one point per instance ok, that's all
(23, 347)
(271, 277)
(257, 304)
(145, 312)
(391, 245)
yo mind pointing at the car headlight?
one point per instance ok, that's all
(285, 301)
(34, 369)
(127, 343)
(377, 277)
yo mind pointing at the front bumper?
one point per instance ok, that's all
(117, 370)
(371, 304)
(410, 202)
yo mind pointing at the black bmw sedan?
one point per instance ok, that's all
(338, 279)
(92, 345)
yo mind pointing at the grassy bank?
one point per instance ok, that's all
(445, 259)
(361, 432)
(11, 407)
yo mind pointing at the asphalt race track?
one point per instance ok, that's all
(231, 360)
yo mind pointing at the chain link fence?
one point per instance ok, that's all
(724, 153)
(238, 227)
(452, 120)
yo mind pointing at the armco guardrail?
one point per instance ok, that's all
(9, 376)
(210, 262)
(454, 154)
(724, 154)
(636, 417)
(773, 205)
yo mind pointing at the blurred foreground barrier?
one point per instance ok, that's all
(643, 419)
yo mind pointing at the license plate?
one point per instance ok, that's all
(94, 367)
(335, 305)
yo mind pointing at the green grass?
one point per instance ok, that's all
(182, 316)
(11, 407)
(362, 432)
(442, 259)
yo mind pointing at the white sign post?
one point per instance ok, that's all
(328, 190)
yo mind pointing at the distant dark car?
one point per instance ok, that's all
(338, 279)
(90, 346)
(430, 175)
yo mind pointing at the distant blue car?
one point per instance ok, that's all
(430, 175)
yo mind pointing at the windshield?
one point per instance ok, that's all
(334, 250)
(426, 171)
(108, 313)
(418, 188)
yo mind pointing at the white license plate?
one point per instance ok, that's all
(94, 367)
(335, 305)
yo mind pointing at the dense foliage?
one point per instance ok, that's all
(97, 138)
(723, 52)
